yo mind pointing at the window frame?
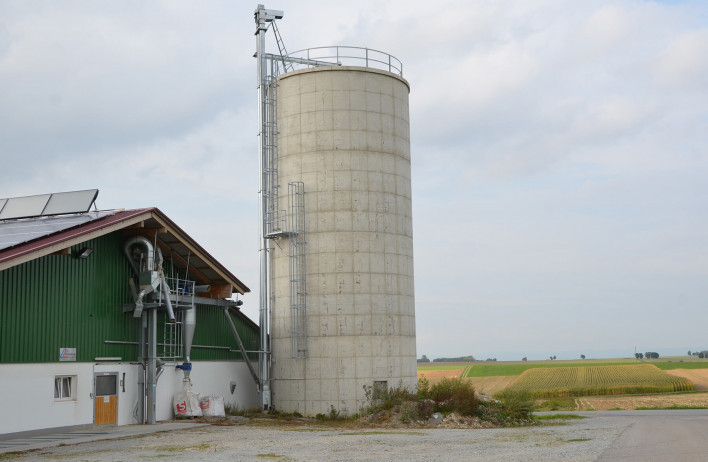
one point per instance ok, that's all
(60, 389)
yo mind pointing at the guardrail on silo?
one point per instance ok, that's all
(345, 55)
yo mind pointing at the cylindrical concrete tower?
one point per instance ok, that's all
(344, 133)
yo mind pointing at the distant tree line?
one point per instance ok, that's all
(700, 354)
(460, 359)
(647, 355)
(423, 359)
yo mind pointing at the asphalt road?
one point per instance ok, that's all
(680, 435)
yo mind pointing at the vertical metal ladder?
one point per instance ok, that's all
(298, 287)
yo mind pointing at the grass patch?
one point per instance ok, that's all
(578, 440)
(557, 417)
(198, 447)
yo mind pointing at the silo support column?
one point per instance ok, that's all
(240, 346)
(152, 367)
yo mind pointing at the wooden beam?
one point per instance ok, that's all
(167, 251)
(223, 291)
(146, 232)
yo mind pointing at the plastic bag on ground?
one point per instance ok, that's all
(186, 403)
(212, 406)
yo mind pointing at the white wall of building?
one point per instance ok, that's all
(29, 404)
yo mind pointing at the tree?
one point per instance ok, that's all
(689, 352)
(524, 359)
(638, 355)
(423, 359)
(582, 356)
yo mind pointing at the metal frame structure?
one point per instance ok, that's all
(275, 223)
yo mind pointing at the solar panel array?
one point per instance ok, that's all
(47, 204)
(20, 231)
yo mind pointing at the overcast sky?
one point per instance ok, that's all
(560, 149)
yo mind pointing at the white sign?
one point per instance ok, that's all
(67, 354)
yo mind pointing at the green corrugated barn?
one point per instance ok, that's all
(70, 333)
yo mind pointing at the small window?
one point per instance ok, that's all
(380, 389)
(65, 388)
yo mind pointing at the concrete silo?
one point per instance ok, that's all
(344, 134)
(337, 260)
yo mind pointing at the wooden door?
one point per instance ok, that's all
(105, 409)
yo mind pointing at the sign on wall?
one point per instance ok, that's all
(67, 354)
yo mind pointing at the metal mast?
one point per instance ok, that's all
(263, 17)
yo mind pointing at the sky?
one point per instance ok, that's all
(559, 149)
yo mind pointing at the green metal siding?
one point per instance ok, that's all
(59, 301)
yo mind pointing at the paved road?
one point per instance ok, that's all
(659, 436)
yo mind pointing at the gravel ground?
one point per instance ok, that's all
(572, 440)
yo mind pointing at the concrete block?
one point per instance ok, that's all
(344, 283)
(308, 103)
(388, 143)
(361, 265)
(329, 364)
(362, 283)
(391, 284)
(358, 140)
(357, 100)
(387, 124)
(340, 100)
(378, 324)
(373, 82)
(359, 180)
(343, 180)
(387, 105)
(377, 265)
(375, 162)
(343, 262)
(341, 120)
(343, 242)
(326, 262)
(375, 184)
(324, 120)
(325, 223)
(342, 221)
(356, 81)
(345, 304)
(324, 140)
(373, 122)
(325, 180)
(307, 83)
(340, 160)
(364, 368)
(325, 203)
(360, 198)
(362, 325)
(341, 140)
(308, 142)
(373, 141)
(360, 241)
(364, 346)
(380, 368)
(323, 81)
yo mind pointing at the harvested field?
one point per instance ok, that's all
(438, 374)
(603, 403)
(490, 385)
(699, 377)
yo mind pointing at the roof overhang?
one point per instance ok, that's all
(151, 223)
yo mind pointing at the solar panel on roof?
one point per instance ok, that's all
(48, 204)
(70, 202)
(21, 207)
(19, 231)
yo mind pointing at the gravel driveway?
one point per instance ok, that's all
(574, 440)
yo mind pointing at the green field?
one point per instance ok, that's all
(551, 382)
(514, 368)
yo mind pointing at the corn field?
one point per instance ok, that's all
(598, 380)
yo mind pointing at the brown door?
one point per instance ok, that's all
(105, 408)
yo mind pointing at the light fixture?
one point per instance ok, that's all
(84, 253)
